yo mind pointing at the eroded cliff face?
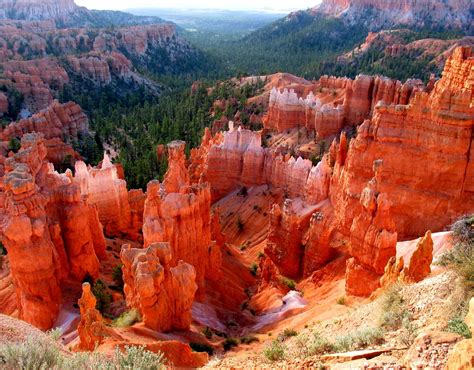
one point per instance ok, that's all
(453, 13)
(109, 193)
(179, 213)
(375, 193)
(44, 215)
(163, 292)
(57, 123)
(409, 170)
(336, 103)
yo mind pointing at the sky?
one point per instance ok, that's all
(269, 5)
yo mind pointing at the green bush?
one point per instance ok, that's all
(117, 276)
(104, 298)
(230, 343)
(207, 332)
(458, 326)
(37, 353)
(461, 257)
(202, 347)
(289, 283)
(341, 301)
(392, 309)
(275, 351)
(127, 319)
(254, 269)
(287, 333)
(248, 339)
(320, 346)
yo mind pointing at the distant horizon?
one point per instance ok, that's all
(269, 6)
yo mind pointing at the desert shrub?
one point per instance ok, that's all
(202, 347)
(248, 339)
(230, 343)
(3, 253)
(127, 319)
(319, 345)
(458, 326)
(341, 301)
(275, 351)
(118, 277)
(409, 332)
(102, 295)
(35, 353)
(287, 333)
(254, 269)
(207, 332)
(289, 283)
(461, 257)
(55, 334)
(261, 255)
(368, 337)
(14, 145)
(31, 354)
(392, 308)
(135, 357)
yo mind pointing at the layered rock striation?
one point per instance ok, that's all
(180, 213)
(162, 291)
(43, 215)
(337, 103)
(106, 190)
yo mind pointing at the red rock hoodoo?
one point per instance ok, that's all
(43, 213)
(163, 294)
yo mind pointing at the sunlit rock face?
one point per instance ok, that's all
(335, 104)
(43, 214)
(409, 170)
(179, 213)
(161, 291)
(109, 193)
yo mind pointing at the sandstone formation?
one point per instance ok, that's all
(37, 10)
(450, 13)
(407, 197)
(369, 195)
(462, 356)
(337, 103)
(58, 122)
(43, 213)
(91, 328)
(163, 294)
(179, 213)
(108, 192)
(420, 262)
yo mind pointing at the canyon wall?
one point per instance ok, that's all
(386, 13)
(43, 215)
(337, 103)
(57, 123)
(409, 170)
(179, 213)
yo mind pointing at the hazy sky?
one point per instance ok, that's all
(283, 5)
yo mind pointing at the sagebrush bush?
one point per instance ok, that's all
(392, 309)
(275, 351)
(247, 339)
(127, 319)
(35, 354)
(461, 257)
(287, 333)
(459, 326)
